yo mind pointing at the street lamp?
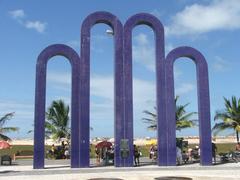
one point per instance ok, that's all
(110, 32)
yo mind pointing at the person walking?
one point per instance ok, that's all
(136, 155)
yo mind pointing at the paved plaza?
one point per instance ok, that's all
(60, 169)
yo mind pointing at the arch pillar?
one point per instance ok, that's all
(115, 24)
(40, 101)
(157, 27)
(203, 104)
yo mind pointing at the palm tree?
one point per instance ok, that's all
(182, 117)
(3, 129)
(57, 122)
(229, 117)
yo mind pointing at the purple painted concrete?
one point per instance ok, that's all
(115, 24)
(157, 27)
(40, 98)
(123, 102)
(203, 104)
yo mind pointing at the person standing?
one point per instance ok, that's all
(237, 148)
(151, 152)
(179, 155)
(63, 150)
(53, 149)
(214, 150)
(136, 155)
(97, 151)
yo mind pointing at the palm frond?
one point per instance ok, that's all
(4, 137)
(150, 113)
(218, 127)
(8, 129)
(152, 127)
(229, 118)
(183, 119)
(5, 118)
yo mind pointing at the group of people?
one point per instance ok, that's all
(107, 153)
(189, 155)
(194, 154)
(60, 152)
(104, 154)
(183, 156)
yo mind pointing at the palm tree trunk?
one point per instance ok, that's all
(237, 136)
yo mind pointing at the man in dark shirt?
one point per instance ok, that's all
(214, 150)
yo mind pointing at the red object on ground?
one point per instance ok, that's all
(4, 145)
(104, 144)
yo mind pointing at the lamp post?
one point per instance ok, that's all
(110, 32)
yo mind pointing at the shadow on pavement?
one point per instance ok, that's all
(5, 172)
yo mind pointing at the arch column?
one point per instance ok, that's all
(203, 104)
(115, 24)
(40, 100)
(157, 27)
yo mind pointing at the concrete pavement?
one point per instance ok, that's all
(62, 171)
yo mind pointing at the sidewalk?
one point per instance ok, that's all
(62, 172)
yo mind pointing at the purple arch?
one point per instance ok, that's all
(115, 24)
(203, 104)
(40, 98)
(157, 27)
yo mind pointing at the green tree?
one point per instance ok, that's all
(183, 119)
(57, 120)
(229, 117)
(3, 129)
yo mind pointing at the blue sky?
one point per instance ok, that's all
(27, 27)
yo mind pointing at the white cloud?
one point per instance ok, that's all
(59, 78)
(184, 88)
(144, 52)
(102, 87)
(197, 19)
(17, 14)
(220, 65)
(177, 73)
(36, 25)
(22, 110)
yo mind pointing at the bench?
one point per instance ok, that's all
(6, 158)
(27, 154)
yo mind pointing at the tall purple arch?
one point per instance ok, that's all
(115, 24)
(123, 103)
(40, 99)
(157, 27)
(203, 104)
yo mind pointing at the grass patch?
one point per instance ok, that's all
(221, 148)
